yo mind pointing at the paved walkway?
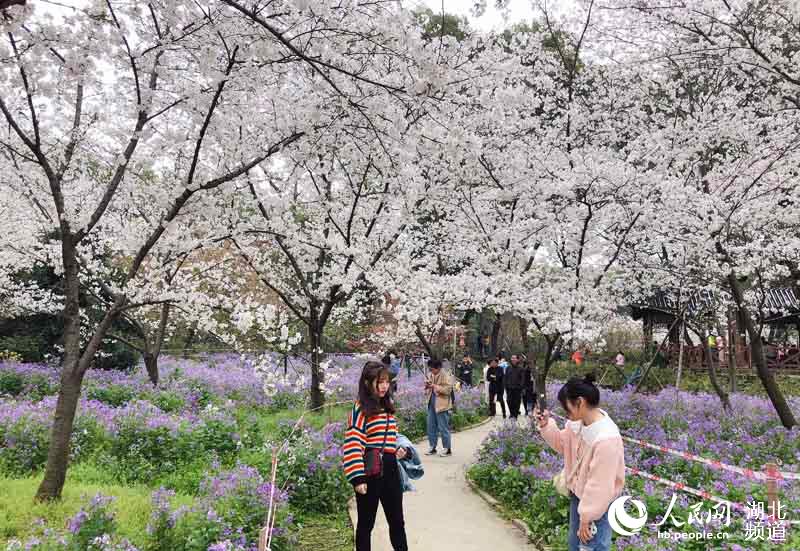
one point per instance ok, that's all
(444, 513)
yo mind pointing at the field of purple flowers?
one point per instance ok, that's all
(516, 466)
(204, 438)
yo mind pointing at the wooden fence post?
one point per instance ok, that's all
(263, 537)
(771, 469)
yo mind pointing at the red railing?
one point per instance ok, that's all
(778, 357)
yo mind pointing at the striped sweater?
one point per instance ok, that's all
(362, 433)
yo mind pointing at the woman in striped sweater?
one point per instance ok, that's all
(372, 426)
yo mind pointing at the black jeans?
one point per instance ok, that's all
(528, 400)
(498, 396)
(514, 396)
(388, 491)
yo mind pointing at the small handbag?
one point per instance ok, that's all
(373, 457)
(560, 480)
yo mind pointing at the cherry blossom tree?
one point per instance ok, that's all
(542, 182)
(173, 103)
(723, 94)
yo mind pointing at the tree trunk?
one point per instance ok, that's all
(712, 373)
(731, 351)
(647, 333)
(60, 435)
(151, 365)
(540, 375)
(674, 335)
(189, 340)
(71, 379)
(495, 336)
(757, 356)
(73, 370)
(480, 349)
(523, 330)
(424, 340)
(440, 343)
(687, 337)
(317, 377)
(680, 363)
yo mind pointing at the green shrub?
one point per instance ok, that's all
(139, 454)
(216, 436)
(168, 401)
(11, 383)
(113, 395)
(200, 395)
(9, 356)
(25, 447)
(26, 443)
(38, 386)
(93, 522)
(187, 479)
(115, 356)
(92, 528)
(194, 531)
(28, 348)
(143, 454)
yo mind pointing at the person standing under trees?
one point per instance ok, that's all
(502, 364)
(370, 456)
(712, 347)
(392, 363)
(529, 396)
(438, 389)
(594, 462)
(494, 378)
(515, 384)
(465, 370)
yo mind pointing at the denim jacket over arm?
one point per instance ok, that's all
(411, 465)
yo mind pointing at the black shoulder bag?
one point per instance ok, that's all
(373, 457)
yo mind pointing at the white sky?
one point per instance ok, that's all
(519, 10)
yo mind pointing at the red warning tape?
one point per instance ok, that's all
(713, 463)
(716, 464)
(684, 488)
(699, 493)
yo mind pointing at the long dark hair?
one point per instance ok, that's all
(374, 371)
(580, 388)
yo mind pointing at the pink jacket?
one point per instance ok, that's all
(601, 474)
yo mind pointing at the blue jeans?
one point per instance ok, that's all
(438, 423)
(601, 540)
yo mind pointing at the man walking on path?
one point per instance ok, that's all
(438, 388)
(515, 383)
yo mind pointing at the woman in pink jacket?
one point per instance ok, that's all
(594, 462)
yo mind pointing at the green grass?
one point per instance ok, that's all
(19, 512)
(270, 422)
(331, 533)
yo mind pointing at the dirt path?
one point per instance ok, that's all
(444, 514)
